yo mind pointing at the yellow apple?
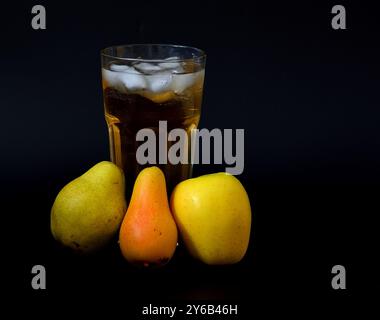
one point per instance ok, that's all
(213, 215)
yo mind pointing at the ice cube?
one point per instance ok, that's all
(119, 67)
(133, 81)
(174, 66)
(130, 79)
(183, 81)
(160, 82)
(112, 79)
(145, 67)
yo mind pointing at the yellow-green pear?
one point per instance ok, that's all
(213, 215)
(88, 211)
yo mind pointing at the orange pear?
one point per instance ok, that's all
(148, 233)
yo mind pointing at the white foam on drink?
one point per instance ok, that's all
(156, 78)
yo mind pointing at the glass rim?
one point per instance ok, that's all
(201, 54)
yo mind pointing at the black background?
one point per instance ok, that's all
(306, 95)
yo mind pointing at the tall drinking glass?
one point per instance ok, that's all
(151, 86)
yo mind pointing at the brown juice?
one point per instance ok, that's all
(128, 111)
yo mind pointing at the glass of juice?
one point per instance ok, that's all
(147, 86)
